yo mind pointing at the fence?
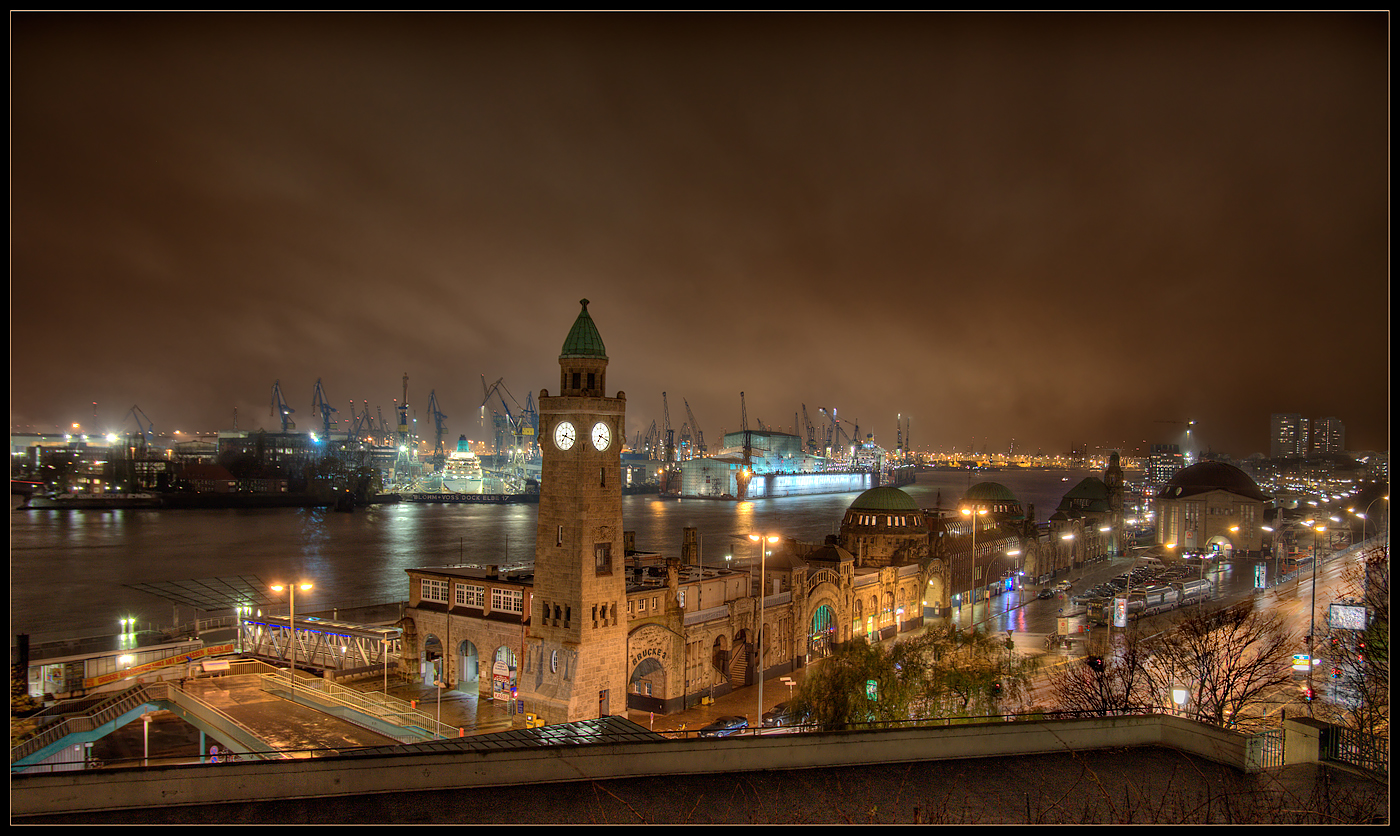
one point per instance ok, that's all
(1356, 748)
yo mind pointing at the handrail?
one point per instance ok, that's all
(396, 711)
(102, 713)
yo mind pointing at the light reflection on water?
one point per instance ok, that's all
(69, 569)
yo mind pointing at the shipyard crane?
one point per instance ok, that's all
(147, 429)
(669, 439)
(651, 441)
(745, 472)
(831, 431)
(403, 417)
(699, 448)
(685, 443)
(279, 407)
(440, 428)
(517, 426)
(321, 406)
(668, 434)
(811, 432)
(362, 422)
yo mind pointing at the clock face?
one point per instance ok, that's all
(564, 435)
(601, 436)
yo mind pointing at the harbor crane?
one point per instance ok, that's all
(699, 448)
(517, 425)
(279, 407)
(147, 429)
(669, 437)
(403, 418)
(745, 472)
(321, 406)
(362, 424)
(440, 429)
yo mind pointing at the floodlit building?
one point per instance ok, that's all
(596, 627)
(1211, 506)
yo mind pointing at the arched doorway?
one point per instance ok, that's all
(503, 673)
(432, 659)
(935, 592)
(822, 636)
(648, 681)
(468, 668)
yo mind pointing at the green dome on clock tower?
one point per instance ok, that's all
(584, 339)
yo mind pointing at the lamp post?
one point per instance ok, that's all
(292, 628)
(1365, 562)
(1312, 609)
(1009, 573)
(1366, 515)
(973, 514)
(762, 580)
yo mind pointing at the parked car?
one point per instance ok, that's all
(724, 726)
(779, 716)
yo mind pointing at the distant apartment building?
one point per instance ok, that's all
(1328, 436)
(1163, 463)
(1288, 435)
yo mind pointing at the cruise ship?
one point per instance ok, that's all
(462, 471)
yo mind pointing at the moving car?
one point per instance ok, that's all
(724, 726)
(1047, 592)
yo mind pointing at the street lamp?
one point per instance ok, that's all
(1312, 610)
(1009, 573)
(762, 580)
(292, 628)
(973, 514)
(1366, 515)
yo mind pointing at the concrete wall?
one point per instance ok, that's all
(235, 783)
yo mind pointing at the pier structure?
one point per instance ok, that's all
(329, 646)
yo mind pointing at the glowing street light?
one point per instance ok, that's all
(292, 627)
(973, 514)
(763, 556)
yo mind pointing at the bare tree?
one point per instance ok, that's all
(1114, 676)
(1358, 660)
(1225, 660)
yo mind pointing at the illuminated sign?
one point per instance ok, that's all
(1346, 616)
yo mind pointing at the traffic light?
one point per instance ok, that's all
(996, 690)
(1096, 663)
(1308, 695)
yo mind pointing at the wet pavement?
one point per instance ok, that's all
(289, 726)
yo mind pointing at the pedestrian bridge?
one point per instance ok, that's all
(314, 643)
(249, 708)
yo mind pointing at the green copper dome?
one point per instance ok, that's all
(884, 499)
(989, 492)
(583, 339)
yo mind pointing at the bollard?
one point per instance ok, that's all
(461, 732)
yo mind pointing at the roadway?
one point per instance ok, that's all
(293, 727)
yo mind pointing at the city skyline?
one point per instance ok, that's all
(1057, 229)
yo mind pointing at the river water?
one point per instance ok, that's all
(71, 572)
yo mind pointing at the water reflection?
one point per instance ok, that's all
(362, 557)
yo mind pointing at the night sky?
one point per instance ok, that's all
(1053, 230)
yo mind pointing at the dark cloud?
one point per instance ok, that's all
(1059, 229)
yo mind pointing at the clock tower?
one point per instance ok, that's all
(577, 645)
